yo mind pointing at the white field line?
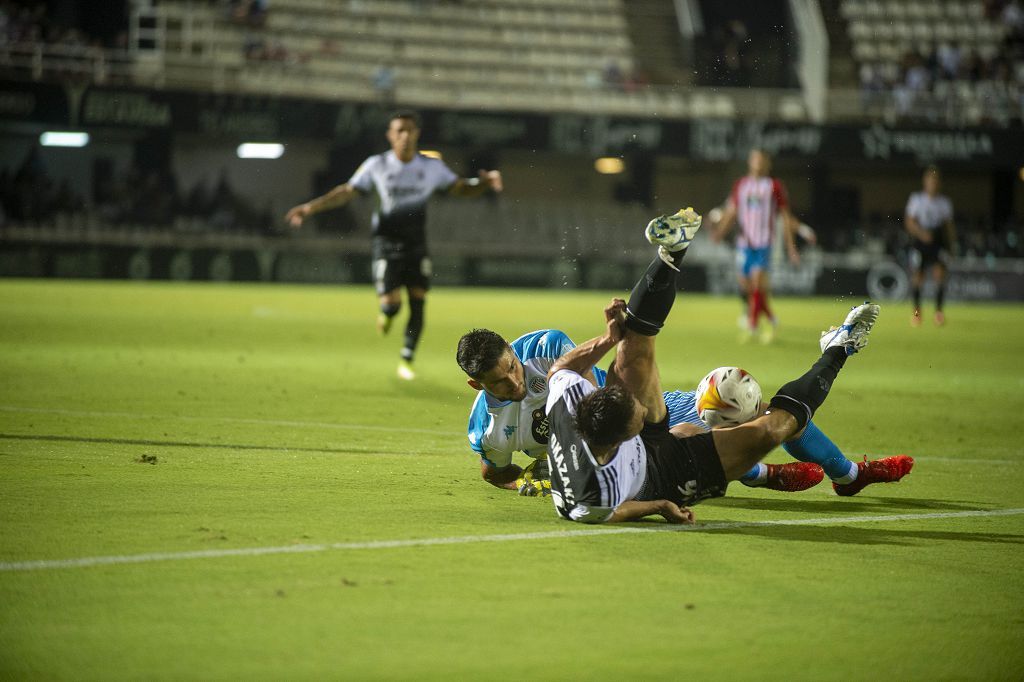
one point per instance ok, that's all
(472, 539)
(232, 420)
(366, 427)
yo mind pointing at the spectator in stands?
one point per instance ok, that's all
(948, 58)
(384, 83)
(612, 75)
(250, 12)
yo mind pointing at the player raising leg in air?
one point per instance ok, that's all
(611, 454)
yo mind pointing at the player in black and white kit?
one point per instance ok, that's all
(404, 181)
(929, 220)
(611, 453)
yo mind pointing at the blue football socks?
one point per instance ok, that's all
(815, 446)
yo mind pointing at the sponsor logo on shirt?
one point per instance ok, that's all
(541, 429)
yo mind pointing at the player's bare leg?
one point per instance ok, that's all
(743, 446)
(744, 320)
(761, 292)
(649, 304)
(635, 368)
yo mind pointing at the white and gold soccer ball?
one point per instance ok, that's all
(728, 396)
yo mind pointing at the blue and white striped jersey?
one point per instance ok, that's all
(682, 408)
(499, 428)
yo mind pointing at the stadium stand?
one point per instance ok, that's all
(954, 62)
(941, 65)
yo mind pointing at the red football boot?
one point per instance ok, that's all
(886, 470)
(793, 477)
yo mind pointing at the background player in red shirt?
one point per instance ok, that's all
(756, 202)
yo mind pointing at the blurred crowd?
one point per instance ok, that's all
(977, 238)
(132, 197)
(29, 23)
(932, 84)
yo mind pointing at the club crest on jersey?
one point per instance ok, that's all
(537, 384)
(540, 429)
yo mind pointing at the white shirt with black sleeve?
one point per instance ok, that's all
(582, 489)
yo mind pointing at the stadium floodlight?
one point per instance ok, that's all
(609, 165)
(432, 153)
(260, 150)
(55, 138)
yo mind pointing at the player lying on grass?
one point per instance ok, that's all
(508, 416)
(611, 453)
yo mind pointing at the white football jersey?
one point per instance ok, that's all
(499, 428)
(403, 189)
(931, 213)
(581, 488)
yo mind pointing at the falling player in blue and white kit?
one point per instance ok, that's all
(404, 180)
(516, 421)
(508, 413)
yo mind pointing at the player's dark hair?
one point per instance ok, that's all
(603, 417)
(407, 114)
(479, 351)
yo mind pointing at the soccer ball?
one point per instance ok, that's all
(728, 396)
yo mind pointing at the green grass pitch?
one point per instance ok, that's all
(145, 422)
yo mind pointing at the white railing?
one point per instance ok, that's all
(41, 60)
(812, 61)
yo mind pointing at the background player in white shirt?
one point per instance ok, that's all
(929, 220)
(611, 454)
(404, 181)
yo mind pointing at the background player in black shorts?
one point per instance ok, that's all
(610, 452)
(404, 181)
(929, 220)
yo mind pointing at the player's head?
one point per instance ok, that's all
(491, 366)
(609, 416)
(404, 133)
(931, 179)
(759, 163)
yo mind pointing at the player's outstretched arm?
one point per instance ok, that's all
(951, 240)
(474, 187)
(586, 355)
(723, 225)
(791, 226)
(337, 197)
(633, 510)
(504, 478)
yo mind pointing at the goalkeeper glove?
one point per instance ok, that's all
(531, 488)
(537, 469)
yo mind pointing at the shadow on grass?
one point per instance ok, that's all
(193, 444)
(846, 505)
(865, 536)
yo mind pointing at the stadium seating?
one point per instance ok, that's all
(888, 35)
(468, 52)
